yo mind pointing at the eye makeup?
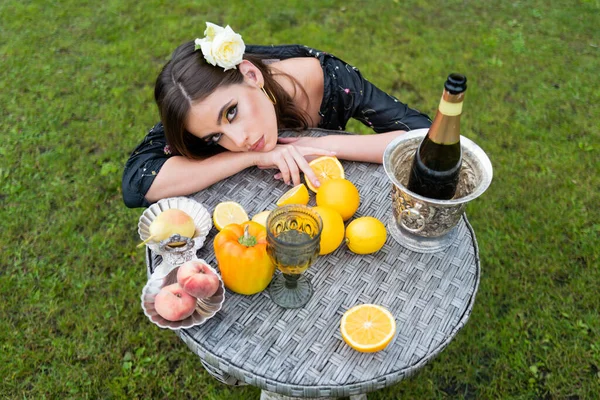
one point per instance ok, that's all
(229, 114)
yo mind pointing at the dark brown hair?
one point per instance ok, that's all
(188, 78)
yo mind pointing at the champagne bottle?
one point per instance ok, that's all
(436, 165)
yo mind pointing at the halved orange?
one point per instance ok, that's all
(296, 195)
(368, 327)
(325, 168)
(229, 212)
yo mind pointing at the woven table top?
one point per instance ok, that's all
(301, 352)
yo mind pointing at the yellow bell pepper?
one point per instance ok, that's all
(241, 252)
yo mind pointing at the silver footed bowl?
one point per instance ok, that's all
(202, 223)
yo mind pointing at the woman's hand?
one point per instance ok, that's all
(303, 141)
(290, 159)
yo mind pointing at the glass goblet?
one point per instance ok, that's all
(293, 236)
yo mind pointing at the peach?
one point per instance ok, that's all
(173, 303)
(171, 222)
(198, 279)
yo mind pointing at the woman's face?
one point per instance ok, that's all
(238, 117)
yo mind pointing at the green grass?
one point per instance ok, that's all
(76, 96)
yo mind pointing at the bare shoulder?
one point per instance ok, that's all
(308, 73)
(299, 66)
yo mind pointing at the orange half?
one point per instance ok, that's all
(325, 168)
(368, 327)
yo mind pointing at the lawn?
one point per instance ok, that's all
(76, 95)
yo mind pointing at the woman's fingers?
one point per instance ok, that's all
(314, 152)
(302, 164)
(290, 165)
(292, 158)
(284, 171)
(311, 176)
(291, 162)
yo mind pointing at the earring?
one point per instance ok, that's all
(269, 95)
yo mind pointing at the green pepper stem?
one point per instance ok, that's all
(247, 239)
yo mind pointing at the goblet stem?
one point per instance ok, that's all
(291, 280)
(294, 296)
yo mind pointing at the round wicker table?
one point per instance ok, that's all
(300, 353)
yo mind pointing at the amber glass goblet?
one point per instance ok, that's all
(293, 236)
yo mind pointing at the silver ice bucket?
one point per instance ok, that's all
(420, 223)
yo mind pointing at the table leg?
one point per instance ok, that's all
(265, 395)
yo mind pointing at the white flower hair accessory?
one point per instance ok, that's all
(221, 46)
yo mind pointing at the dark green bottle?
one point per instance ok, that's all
(437, 162)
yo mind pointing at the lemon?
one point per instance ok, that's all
(325, 168)
(368, 327)
(261, 217)
(228, 212)
(365, 235)
(332, 234)
(341, 195)
(296, 195)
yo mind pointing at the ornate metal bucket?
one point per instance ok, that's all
(420, 223)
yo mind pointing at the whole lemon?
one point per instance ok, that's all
(365, 235)
(333, 229)
(341, 195)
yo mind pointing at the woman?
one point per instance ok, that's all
(221, 104)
